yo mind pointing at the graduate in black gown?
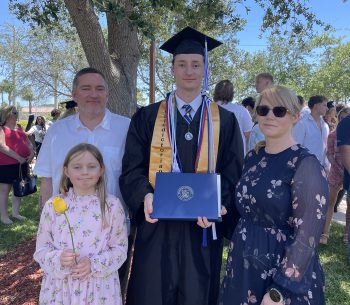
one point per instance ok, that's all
(171, 264)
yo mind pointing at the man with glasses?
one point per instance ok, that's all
(312, 131)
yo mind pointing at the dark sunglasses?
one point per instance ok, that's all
(278, 111)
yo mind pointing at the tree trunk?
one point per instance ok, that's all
(30, 106)
(117, 61)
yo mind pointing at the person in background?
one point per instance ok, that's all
(87, 274)
(342, 192)
(335, 178)
(331, 116)
(273, 251)
(39, 132)
(70, 109)
(223, 95)
(263, 81)
(343, 142)
(304, 108)
(249, 104)
(55, 114)
(311, 131)
(16, 152)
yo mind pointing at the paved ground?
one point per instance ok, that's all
(339, 217)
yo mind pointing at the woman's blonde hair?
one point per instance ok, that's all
(5, 113)
(279, 96)
(65, 182)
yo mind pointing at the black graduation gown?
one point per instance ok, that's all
(170, 266)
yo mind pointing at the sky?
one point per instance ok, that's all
(333, 12)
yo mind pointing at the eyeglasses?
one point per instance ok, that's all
(278, 111)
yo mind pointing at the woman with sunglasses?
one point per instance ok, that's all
(15, 153)
(282, 198)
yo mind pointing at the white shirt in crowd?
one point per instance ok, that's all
(38, 132)
(305, 110)
(109, 137)
(243, 117)
(307, 133)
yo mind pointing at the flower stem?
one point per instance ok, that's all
(71, 236)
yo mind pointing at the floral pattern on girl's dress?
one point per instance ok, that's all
(105, 247)
(282, 199)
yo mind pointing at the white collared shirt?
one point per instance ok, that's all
(109, 137)
(243, 118)
(195, 104)
(307, 133)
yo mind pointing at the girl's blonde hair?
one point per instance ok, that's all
(65, 182)
(279, 96)
(5, 113)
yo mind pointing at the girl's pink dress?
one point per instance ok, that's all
(106, 248)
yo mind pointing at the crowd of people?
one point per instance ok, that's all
(281, 164)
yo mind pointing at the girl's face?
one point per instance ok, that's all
(273, 126)
(84, 171)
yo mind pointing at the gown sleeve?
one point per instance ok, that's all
(46, 254)
(113, 256)
(310, 199)
(133, 182)
(230, 165)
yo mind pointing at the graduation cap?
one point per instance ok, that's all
(189, 41)
(69, 104)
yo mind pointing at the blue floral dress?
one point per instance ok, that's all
(282, 202)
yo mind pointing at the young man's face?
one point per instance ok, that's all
(320, 108)
(188, 70)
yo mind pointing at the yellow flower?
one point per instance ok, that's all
(59, 205)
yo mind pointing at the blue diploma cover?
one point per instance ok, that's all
(186, 196)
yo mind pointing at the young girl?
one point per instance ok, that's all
(90, 274)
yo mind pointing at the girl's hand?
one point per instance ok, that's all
(267, 300)
(68, 258)
(82, 270)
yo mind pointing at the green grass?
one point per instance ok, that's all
(11, 235)
(333, 256)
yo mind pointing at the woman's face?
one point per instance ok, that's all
(13, 115)
(273, 126)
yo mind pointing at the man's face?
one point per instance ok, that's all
(188, 70)
(91, 95)
(320, 108)
(261, 84)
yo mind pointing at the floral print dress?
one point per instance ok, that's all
(106, 248)
(282, 199)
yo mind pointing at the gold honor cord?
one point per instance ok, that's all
(161, 153)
